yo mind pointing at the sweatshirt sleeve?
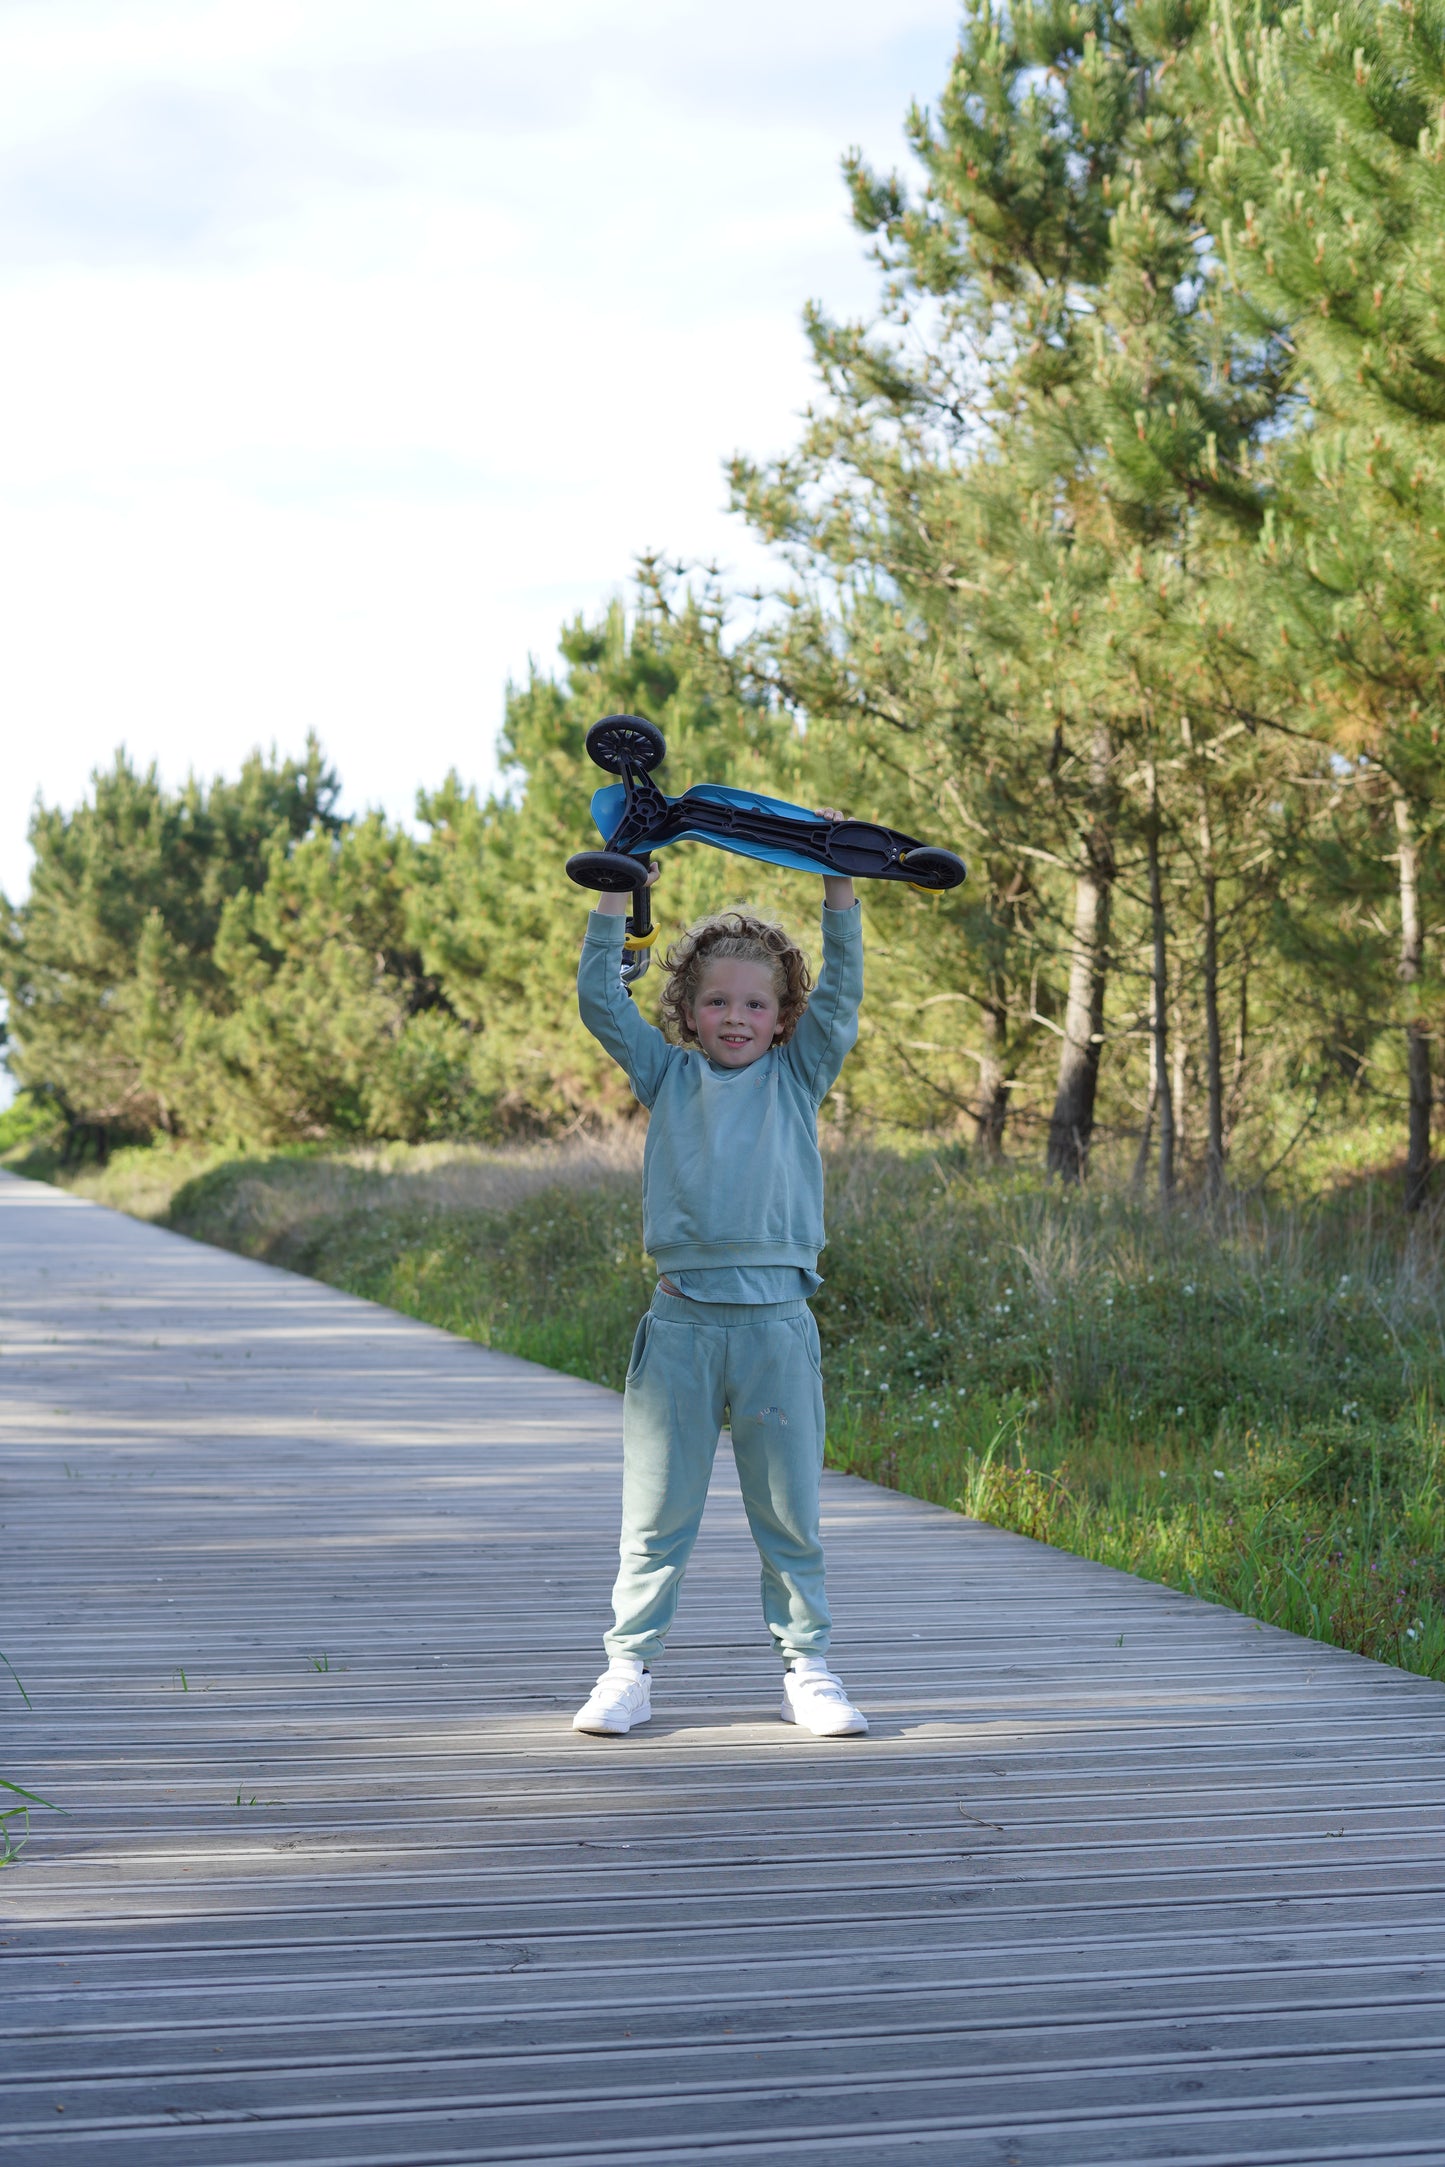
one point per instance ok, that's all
(610, 1013)
(829, 1026)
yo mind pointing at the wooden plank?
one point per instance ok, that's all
(300, 1880)
(1075, 1899)
(536, 2056)
(609, 2090)
(1245, 2126)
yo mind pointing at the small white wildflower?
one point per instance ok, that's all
(1410, 1633)
(1219, 1474)
(1179, 1410)
(935, 1424)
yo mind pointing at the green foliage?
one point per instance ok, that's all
(1012, 509)
(120, 926)
(1326, 185)
(335, 1027)
(27, 1122)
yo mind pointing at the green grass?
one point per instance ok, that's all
(1239, 1402)
(15, 1819)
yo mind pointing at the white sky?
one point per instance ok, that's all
(351, 346)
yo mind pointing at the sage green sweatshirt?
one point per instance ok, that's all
(731, 1174)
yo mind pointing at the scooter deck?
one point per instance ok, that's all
(753, 826)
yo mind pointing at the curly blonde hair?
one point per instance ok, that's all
(733, 935)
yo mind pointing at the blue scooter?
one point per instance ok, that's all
(634, 817)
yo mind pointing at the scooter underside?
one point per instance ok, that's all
(752, 826)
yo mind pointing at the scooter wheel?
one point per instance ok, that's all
(933, 870)
(613, 872)
(626, 741)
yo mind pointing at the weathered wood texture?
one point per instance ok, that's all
(304, 1595)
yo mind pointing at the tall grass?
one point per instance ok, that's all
(1239, 1401)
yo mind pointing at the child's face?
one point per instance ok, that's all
(736, 1015)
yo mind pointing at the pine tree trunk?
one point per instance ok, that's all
(993, 1085)
(1159, 999)
(1071, 1128)
(1213, 1049)
(1417, 1038)
(1141, 1156)
(1234, 1101)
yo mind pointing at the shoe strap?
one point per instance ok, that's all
(823, 1683)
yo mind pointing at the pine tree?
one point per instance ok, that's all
(125, 903)
(1329, 195)
(330, 1025)
(1012, 496)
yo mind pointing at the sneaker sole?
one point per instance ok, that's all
(849, 1730)
(610, 1730)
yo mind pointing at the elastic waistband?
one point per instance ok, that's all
(679, 1310)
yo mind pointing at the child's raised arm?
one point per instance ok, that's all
(828, 1028)
(608, 1009)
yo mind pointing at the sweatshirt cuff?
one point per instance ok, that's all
(604, 930)
(846, 922)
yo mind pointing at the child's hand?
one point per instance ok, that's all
(837, 894)
(618, 905)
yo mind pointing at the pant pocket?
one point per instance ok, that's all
(808, 1332)
(638, 1355)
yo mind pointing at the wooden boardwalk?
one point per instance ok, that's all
(304, 1595)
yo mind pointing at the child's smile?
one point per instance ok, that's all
(736, 1016)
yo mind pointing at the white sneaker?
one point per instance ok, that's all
(621, 1698)
(814, 1698)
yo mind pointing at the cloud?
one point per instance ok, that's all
(472, 88)
(164, 176)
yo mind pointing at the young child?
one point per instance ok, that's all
(732, 1199)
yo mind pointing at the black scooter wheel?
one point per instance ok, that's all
(933, 870)
(612, 872)
(626, 741)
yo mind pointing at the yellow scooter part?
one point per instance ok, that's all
(916, 886)
(640, 940)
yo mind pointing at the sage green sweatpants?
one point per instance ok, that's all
(693, 1365)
